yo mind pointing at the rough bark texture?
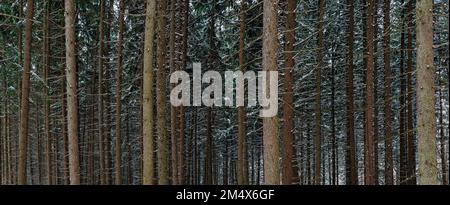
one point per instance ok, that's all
(402, 118)
(352, 174)
(148, 152)
(270, 125)
(173, 110)
(25, 91)
(389, 162)
(72, 101)
(426, 119)
(118, 155)
(242, 131)
(289, 158)
(369, 157)
(183, 60)
(411, 169)
(163, 168)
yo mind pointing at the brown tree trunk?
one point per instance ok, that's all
(242, 131)
(351, 168)
(118, 155)
(270, 124)
(375, 91)
(426, 119)
(411, 169)
(148, 151)
(389, 162)
(64, 134)
(25, 90)
(290, 175)
(72, 101)
(402, 129)
(369, 160)
(173, 110)
(103, 171)
(163, 168)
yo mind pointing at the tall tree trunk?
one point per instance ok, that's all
(289, 158)
(389, 162)
(109, 101)
(25, 90)
(163, 168)
(270, 124)
(402, 129)
(317, 109)
(64, 134)
(375, 91)
(173, 110)
(118, 155)
(411, 170)
(352, 174)
(242, 131)
(101, 133)
(369, 160)
(148, 152)
(72, 101)
(426, 119)
(181, 149)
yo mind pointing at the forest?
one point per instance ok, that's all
(361, 92)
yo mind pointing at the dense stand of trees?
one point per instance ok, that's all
(364, 92)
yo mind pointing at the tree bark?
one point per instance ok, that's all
(402, 129)
(101, 133)
(426, 119)
(389, 162)
(118, 155)
(173, 110)
(290, 175)
(72, 101)
(148, 152)
(270, 124)
(351, 168)
(163, 169)
(242, 131)
(411, 169)
(25, 90)
(369, 160)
